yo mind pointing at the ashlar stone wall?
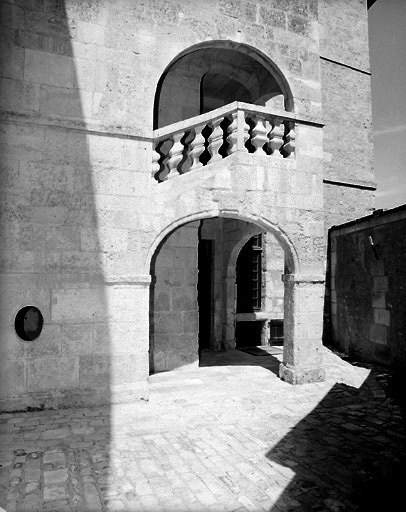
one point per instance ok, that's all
(72, 184)
(346, 102)
(81, 217)
(368, 287)
(174, 312)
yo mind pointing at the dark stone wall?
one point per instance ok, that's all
(368, 287)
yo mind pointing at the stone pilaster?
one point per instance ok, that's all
(302, 359)
(127, 339)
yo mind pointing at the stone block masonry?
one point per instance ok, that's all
(346, 99)
(174, 312)
(367, 283)
(245, 449)
(81, 215)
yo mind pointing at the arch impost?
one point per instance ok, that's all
(303, 278)
(129, 280)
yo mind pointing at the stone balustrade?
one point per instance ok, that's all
(205, 139)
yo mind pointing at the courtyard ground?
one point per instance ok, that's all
(228, 436)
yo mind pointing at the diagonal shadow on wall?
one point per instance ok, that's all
(51, 252)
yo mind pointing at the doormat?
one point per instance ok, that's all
(262, 351)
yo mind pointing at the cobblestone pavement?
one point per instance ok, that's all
(229, 436)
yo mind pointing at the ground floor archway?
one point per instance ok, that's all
(174, 303)
(195, 294)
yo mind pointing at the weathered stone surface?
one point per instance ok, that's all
(52, 373)
(13, 376)
(55, 477)
(77, 339)
(82, 220)
(371, 322)
(338, 40)
(204, 440)
(47, 345)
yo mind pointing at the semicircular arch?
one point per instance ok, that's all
(292, 264)
(249, 51)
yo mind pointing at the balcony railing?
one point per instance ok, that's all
(208, 138)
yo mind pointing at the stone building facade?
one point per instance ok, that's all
(368, 290)
(142, 139)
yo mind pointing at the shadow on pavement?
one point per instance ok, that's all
(237, 357)
(347, 454)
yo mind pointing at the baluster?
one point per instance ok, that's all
(259, 133)
(276, 138)
(197, 147)
(186, 162)
(243, 130)
(175, 154)
(215, 140)
(289, 146)
(156, 166)
(232, 130)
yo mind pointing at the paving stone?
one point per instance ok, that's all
(55, 492)
(32, 475)
(114, 505)
(253, 444)
(50, 457)
(54, 477)
(31, 487)
(29, 504)
(91, 497)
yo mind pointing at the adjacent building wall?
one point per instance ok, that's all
(368, 287)
(346, 104)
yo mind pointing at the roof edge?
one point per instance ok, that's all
(376, 214)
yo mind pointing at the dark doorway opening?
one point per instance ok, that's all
(249, 273)
(249, 292)
(248, 334)
(276, 332)
(204, 293)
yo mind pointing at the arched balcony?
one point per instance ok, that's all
(217, 99)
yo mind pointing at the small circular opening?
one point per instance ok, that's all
(28, 323)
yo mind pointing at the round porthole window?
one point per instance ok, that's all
(28, 323)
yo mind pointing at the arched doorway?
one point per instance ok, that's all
(259, 292)
(193, 291)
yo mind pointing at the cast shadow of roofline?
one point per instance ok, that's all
(339, 455)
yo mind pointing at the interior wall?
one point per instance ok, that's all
(175, 321)
(229, 76)
(273, 271)
(227, 235)
(212, 229)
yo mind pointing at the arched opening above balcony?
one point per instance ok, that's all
(213, 74)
